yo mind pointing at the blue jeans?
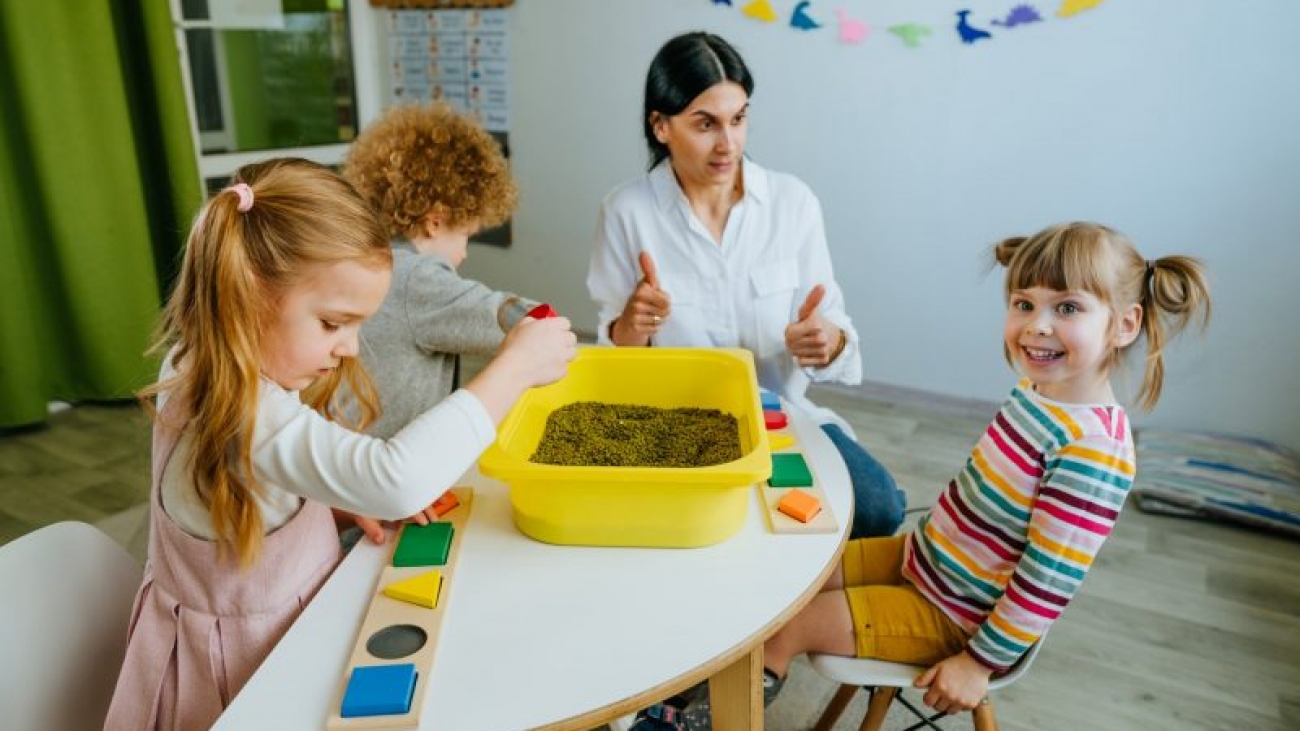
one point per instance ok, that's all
(878, 504)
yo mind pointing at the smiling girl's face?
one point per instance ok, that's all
(1064, 341)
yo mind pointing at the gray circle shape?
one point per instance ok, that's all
(396, 641)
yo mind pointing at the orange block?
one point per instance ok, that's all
(445, 504)
(800, 505)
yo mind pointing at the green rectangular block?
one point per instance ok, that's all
(423, 545)
(790, 470)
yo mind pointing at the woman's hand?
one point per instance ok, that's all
(813, 340)
(956, 684)
(645, 310)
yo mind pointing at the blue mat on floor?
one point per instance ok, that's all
(1217, 477)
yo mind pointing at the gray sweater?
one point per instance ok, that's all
(430, 316)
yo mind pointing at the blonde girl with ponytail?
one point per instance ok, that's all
(251, 449)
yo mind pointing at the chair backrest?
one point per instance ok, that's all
(68, 593)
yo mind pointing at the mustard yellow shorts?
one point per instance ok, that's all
(891, 619)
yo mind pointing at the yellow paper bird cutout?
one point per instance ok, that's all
(760, 10)
(1074, 7)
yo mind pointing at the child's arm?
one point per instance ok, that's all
(1078, 501)
(535, 353)
(298, 450)
(1079, 498)
(956, 684)
(447, 313)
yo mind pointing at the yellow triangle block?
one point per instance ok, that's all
(421, 590)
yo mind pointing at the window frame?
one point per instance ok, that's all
(362, 35)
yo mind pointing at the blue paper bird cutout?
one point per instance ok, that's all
(799, 18)
(969, 33)
(1019, 15)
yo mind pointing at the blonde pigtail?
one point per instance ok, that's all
(1174, 294)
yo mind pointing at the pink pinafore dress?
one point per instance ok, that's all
(200, 626)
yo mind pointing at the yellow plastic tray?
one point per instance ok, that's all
(635, 506)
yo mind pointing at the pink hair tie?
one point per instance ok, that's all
(245, 194)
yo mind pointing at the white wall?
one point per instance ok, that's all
(1178, 123)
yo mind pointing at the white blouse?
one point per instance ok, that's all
(740, 294)
(297, 454)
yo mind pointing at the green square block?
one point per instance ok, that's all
(423, 545)
(790, 470)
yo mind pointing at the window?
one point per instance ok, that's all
(267, 77)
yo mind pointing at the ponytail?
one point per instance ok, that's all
(1175, 292)
(248, 245)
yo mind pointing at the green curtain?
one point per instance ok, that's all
(98, 180)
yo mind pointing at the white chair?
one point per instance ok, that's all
(68, 592)
(884, 680)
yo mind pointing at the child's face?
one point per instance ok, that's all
(1062, 341)
(318, 319)
(452, 243)
(707, 139)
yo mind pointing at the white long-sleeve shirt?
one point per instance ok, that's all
(740, 294)
(299, 454)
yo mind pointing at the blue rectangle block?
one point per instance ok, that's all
(770, 400)
(379, 690)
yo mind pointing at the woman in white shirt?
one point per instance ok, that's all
(708, 249)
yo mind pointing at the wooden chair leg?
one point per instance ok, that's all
(836, 707)
(878, 708)
(985, 719)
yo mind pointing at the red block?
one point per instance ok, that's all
(542, 311)
(774, 419)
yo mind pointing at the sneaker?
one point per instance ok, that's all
(659, 717)
(772, 686)
(699, 717)
(699, 714)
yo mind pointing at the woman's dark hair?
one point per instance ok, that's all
(683, 69)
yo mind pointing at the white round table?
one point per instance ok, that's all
(538, 636)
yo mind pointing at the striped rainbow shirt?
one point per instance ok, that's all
(1008, 543)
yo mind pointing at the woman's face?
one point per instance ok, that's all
(706, 140)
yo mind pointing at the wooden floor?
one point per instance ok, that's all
(1181, 624)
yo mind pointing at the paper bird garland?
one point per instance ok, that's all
(852, 31)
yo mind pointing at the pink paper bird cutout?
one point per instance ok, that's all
(852, 30)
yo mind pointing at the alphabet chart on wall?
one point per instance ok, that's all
(459, 56)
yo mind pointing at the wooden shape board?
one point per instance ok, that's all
(387, 612)
(779, 522)
(823, 522)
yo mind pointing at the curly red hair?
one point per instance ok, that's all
(421, 159)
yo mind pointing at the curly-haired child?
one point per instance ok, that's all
(435, 178)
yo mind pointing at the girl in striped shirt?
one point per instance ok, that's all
(1008, 543)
